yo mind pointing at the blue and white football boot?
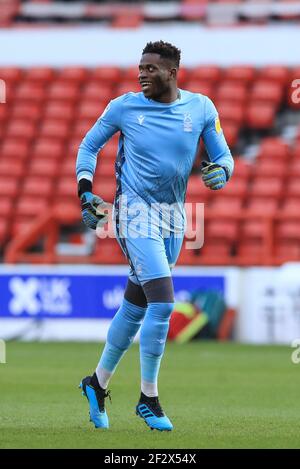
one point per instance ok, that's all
(149, 409)
(96, 397)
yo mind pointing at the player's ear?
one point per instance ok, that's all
(173, 73)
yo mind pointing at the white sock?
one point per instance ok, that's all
(149, 389)
(103, 376)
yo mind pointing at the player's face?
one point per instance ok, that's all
(155, 76)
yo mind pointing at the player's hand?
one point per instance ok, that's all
(94, 210)
(213, 175)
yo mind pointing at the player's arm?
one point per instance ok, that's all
(219, 167)
(94, 209)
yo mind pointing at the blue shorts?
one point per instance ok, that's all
(150, 257)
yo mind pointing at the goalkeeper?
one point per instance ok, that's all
(160, 128)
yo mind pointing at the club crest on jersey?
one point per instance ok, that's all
(187, 122)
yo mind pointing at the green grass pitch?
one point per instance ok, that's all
(218, 395)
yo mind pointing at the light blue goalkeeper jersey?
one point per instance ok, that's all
(157, 146)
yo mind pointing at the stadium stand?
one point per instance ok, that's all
(129, 14)
(255, 220)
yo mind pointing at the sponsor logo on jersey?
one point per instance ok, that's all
(141, 119)
(217, 125)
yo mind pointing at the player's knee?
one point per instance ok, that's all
(135, 295)
(164, 311)
(159, 290)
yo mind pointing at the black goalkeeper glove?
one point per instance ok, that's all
(213, 175)
(94, 210)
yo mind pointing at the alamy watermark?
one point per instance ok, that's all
(2, 91)
(2, 351)
(140, 220)
(295, 97)
(295, 356)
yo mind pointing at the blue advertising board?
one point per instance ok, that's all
(59, 293)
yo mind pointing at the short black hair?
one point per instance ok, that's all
(165, 50)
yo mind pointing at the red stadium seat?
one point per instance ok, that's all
(31, 206)
(267, 91)
(226, 230)
(242, 168)
(127, 86)
(182, 76)
(130, 74)
(12, 149)
(223, 205)
(217, 251)
(68, 167)
(97, 91)
(262, 206)
(231, 132)
(40, 74)
(4, 230)
(252, 229)
(209, 73)
(81, 127)
(91, 109)
(235, 188)
(260, 115)
(73, 146)
(22, 225)
(11, 166)
(59, 110)
(106, 188)
(54, 129)
(60, 90)
(28, 91)
(9, 186)
(26, 110)
(273, 148)
(252, 250)
(200, 86)
(109, 75)
(66, 187)
(73, 74)
(294, 168)
(105, 169)
(278, 74)
(287, 250)
(232, 91)
(241, 74)
(294, 73)
(262, 187)
(290, 206)
(288, 230)
(3, 114)
(126, 19)
(11, 75)
(270, 168)
(231, 112)
(293, 188)
(21, 129)
(47, 148)
(36, 185)
(108, 251)
(196, 190)
(188, 256)
(6, 207)
(43, 167)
